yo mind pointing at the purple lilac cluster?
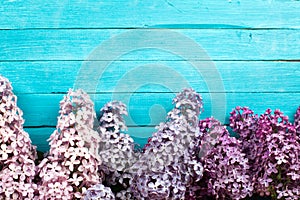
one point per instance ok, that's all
(17, 155)
(226, 169)
(168, 166)
(244, 122)
(274, 155)
(71, 163)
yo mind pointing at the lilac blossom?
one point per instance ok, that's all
(116, 148)
(17, 155)
(168, 166)
(226, 169)
(244, 122)
(72, 162)
(280, 169)
(273, 152)
(99, 192)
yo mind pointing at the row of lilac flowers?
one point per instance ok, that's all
(186, 158)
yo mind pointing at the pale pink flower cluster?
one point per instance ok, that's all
(71, 166)
(17, 155)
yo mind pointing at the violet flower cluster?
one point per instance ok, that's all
(243, 121)
(274, 156)
(168, 165)
(226, 169)
(17, 155)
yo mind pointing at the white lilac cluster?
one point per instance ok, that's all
(226, 169)
(168, 165)
(17, 155)
(116, 148)
(71, 166)
(275, 166)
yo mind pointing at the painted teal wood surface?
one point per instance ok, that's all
(77, 44)
(254, 47)
(45, 77)
(143, 14)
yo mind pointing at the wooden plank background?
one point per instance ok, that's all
(253, 46)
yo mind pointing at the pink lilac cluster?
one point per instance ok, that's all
(226, 169)
(297, 121)
(276, 167)
(116, 148)
(168, 166)
(17, 155)
(71, 166)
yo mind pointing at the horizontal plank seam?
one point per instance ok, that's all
(150, 28)
(40, 126)
(175, 60)
(151, 92)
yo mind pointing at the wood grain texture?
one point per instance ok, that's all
(143, 14)
(48, 77)
(78, 44)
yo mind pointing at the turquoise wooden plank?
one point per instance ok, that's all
(124, 13)
(150, 108)
(148, 44)
(39, 136)
(46, 77)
